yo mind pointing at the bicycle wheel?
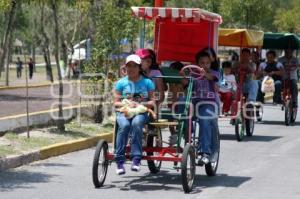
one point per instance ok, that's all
(188, 168)
(249, 120)
(100, 164)
(212, 166)
(239, 129)
(287, 113)
(154, 141)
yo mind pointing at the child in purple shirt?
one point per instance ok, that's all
(206, 107)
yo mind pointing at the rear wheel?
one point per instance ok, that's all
(294, 114)
(239, 129)
(287, 113)
(259, 112)
(188, 168)
(154, 141)
(249, 120)
(212, 166)
(100, 163)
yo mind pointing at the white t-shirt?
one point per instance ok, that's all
(294, 61)
(228, 84)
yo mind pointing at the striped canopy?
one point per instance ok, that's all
(175, 13)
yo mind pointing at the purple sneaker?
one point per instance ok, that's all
(120, 168)
(135, 164)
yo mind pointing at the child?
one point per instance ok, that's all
(206, 107)
(228, 87)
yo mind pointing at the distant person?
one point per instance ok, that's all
(31, 67)
(291, 65)
(19, 66)
(274, 69)
(228, 87)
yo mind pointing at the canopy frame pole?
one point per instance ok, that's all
(142, 33)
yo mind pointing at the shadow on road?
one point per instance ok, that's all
(280, 123)
(12, 179)
(254, 138)
(165, 180)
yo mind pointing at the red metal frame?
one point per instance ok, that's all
(171, 151)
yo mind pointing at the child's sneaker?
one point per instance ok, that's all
(120, 168)
(135, 164)
(172, 139)
(205, 159)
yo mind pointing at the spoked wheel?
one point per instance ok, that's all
(100, 163)
(239, 129)
(212, 166)
(249, 120)
(294, 114)
(287, 113)
(259, 112)
(154, 140)
(188, 168)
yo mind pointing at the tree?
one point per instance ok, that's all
(10, 7)
(286, 18)
(60, 121)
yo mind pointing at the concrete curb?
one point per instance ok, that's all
(51, 151)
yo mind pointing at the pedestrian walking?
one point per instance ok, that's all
(19, 66)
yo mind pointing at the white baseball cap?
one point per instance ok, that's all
(133, 58)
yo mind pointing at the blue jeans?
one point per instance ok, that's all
(251, 88)
(134, 126)
(208, 127)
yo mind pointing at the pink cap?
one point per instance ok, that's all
(143, 53)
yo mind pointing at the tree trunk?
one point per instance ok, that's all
(8, 32)
(46, 51)
(64, 51)
(60, 121)
(7, 58)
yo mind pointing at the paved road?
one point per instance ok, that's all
(13, 101)
(265, 166)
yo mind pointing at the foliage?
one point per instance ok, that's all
(285, 18)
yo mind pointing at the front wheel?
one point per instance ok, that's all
(249, 120)
(294, 114)
(239, 129)
(212, 166)
(100, 163)
(188, 168)
(287, 113)
(259, 112)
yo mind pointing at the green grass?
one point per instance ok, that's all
(21, 144)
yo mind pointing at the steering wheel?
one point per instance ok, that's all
(193, 71)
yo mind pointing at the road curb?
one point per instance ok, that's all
(51, 151)
(74, 145)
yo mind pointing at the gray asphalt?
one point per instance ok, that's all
(265, 166)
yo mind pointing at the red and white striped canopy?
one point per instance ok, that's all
(175, 13)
